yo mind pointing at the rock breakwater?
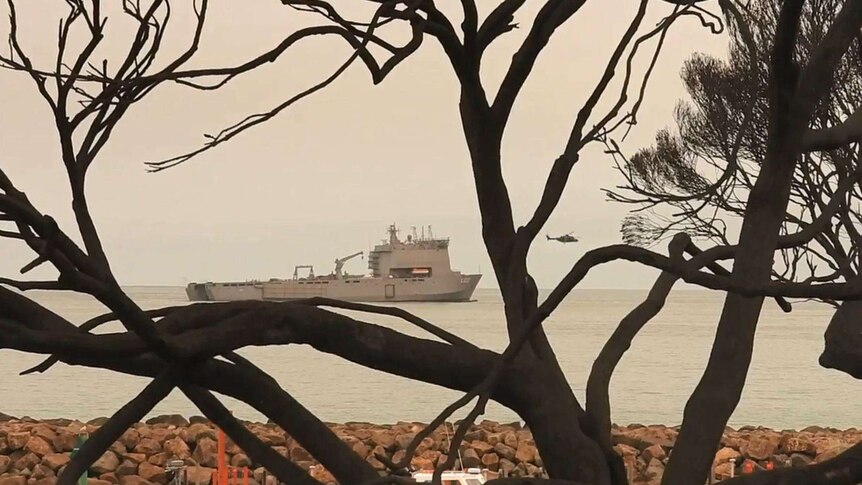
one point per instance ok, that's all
(34, 452)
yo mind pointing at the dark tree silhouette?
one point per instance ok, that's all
(724, 129)
(192, 347)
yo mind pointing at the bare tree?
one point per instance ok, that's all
(192, 347)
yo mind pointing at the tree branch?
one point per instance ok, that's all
(837, 136)
(281, 467)
(111, 431)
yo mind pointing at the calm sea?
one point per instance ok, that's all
(786, 387)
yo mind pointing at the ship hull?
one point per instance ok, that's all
(453, 287)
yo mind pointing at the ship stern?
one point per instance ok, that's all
(197, 292)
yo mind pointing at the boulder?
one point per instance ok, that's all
(5, 463)
(723, 471)
(127, 467)
(510, 439)
(107, 463)
(270, 437)
(98, 422)
(45, 481)
(618, 438)
(64, 441)
(206, 453)
(470, 459)
(198, 431)
(5, 417)
(402, 441)
(13, 480)
(790, 444)
(41, 471)
(419, 463)
(491, 461)
(760, 446)
(169, 419)
(198, 475)
(44, 431)
(98, 481)
(372, 459)
(160, 434)
(55, 460)
(298, 453)
(658, 435)
(504, 451)
(384, 439)
(831, 453)
(477, 434)
(4, 446)
(110, 478)
(148, 446)
(259, 474)
(654, 470)
(625, 450)
(525, 453)
(60, 422)
(726, 454)
(654, 452)
(153, 473)
(134, 480)
(130, 439)
(321, 475)
(825, 443)
(361, 449)
(481, 447)
(26, 462)
(506, 467)
(240, 460)
(39, 446)
(520, 470)
(159, 459)
(118, 448)
(137, 458)
(17, 441)
(798, 460)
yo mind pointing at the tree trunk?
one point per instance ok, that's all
(843, 349)
(554, 417)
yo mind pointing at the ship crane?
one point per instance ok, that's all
(339, 263)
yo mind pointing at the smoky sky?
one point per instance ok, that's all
(325, 178)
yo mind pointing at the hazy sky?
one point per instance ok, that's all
(326, 177)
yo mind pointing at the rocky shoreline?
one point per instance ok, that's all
(34, 452)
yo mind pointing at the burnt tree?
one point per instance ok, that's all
(192, 347)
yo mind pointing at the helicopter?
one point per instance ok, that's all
(565, 238)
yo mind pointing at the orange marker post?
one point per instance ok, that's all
(245, 478)
(222, 466)
(748, 467)
(235, 476)
(770, 465)
(215, 477)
